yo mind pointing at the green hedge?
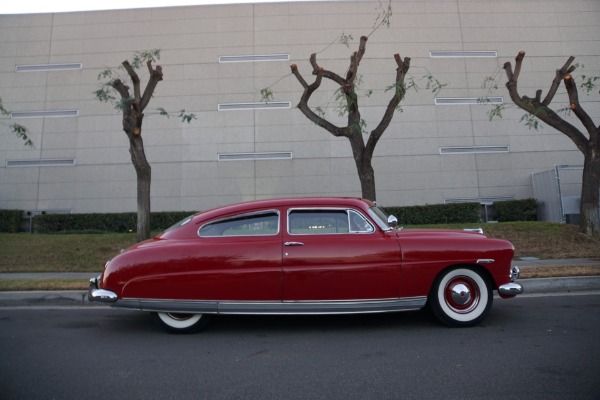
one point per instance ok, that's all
(516, 210)
(10, 221)
(512, 210)
(119, 222)
(436, 213)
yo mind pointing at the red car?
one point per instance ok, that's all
(306, 256)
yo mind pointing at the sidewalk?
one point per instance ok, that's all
(580, 284)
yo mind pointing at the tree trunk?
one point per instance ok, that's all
(366, 175)
(144, 177)
(589, 218)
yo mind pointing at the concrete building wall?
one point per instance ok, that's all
(187, 174)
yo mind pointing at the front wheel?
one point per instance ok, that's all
(461, 297)
(181, 323)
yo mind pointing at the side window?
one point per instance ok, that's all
(323, 222)
(358, 223)
(262, 224)
(317, 222)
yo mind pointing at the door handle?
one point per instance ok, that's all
(293, 244)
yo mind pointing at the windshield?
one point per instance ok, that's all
(380, 217)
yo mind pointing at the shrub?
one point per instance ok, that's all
(118, 222)
(436, 213)
(10, 220)
(516, 210)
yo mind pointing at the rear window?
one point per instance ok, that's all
(256, 224)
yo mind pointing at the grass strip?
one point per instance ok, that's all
(18, 285)
(559, 271)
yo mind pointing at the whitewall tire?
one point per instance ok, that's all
(461, 296)
(180, 322)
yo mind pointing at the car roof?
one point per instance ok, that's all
(286, 202)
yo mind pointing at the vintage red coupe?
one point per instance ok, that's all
(306, 256)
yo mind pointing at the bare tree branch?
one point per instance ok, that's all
(574, 105)
(326, 74)
(355, 60)
(403, 67)
(539, 110)
(303, 104)
(120, 87)
(135, 80)
(560, 74)
(156, 76)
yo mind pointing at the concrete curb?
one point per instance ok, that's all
(560, 285)
(44, 298)
(79, 297)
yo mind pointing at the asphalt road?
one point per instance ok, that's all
(528, 348)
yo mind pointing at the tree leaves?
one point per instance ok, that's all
(108, 78)
(19, 130)
(142, 57)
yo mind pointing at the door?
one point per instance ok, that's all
(338, 254)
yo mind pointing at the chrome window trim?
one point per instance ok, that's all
(350, 210)
(250, 214)
(346, 209)
(382, 224)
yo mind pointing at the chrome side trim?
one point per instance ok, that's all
(485, 261)
(275, 307)
(511, 289)
(323, 307)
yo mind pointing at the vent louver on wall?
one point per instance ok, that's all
(474, 149)
(48, 67)
(254, 58)
(42, 114)
(442, 101)
(463, 54)
(48, 162)
(284, 155)
(254, 106)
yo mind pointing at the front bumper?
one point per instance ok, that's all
(100, 295)
(510, 289)
(513, 288)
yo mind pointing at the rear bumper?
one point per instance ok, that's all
(100, 295)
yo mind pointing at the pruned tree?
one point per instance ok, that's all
(132, 105)
(362, 141)
(19, 130)
(586, 140)
(362, 150)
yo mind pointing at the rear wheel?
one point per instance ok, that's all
(181, 322)
(461, 297)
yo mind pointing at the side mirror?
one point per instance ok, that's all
(392, 222)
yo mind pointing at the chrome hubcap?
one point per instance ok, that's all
(461, 294)
(179, 316)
